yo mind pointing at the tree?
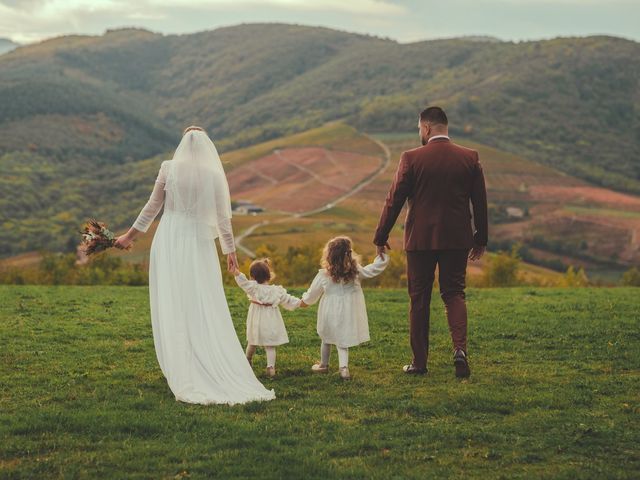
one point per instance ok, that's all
(631, 277)
(575, 278)
(502, 270)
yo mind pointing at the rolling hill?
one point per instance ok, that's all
(85, 120)
(314, 212)
(559, 220)
(314, 176)
(569, 102)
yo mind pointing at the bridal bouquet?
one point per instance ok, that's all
(96, 237)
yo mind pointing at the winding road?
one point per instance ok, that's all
(356, 188)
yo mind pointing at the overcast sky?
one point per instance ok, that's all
(404, 20)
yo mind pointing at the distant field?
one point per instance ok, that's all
(554, 393)
(334, 135)
(603, 212)
(300, 179)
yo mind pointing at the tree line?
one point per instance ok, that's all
(294, 267)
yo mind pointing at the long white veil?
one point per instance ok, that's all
(196, 184)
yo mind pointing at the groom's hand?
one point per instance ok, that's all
(381, 250)
(476, 253)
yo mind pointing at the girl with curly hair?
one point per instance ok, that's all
(342, 313)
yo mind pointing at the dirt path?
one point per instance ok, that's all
(356, 188)
(247, 233)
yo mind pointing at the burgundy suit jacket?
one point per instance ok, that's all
(437, 180)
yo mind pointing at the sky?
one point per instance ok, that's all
(26, 21)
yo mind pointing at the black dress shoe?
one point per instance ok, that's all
(462, 364)
(411, 369)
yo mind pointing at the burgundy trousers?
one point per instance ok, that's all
(452, 268)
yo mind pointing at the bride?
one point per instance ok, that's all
(196, 344)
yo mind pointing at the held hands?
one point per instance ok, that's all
(476, 253)
(232, 264)
(382, 250)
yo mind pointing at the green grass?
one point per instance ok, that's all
(554, 394)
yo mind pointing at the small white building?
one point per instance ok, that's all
(247, 208)
(515, 212)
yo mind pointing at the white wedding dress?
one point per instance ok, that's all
(196, 344)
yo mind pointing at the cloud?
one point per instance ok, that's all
(609, 3)
(361, 7)
(364, 7)
(407, 20)
(31, 20)
(21, 4)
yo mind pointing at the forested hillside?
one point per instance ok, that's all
(79, 112)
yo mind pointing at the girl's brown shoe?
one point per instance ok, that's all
(319, 368)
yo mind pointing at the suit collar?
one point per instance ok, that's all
(439, 138)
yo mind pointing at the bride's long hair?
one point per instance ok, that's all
(339, 259)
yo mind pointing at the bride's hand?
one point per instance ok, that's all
(123, 242)
(232, 262)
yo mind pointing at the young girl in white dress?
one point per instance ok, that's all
(265, 326)
(342, 313)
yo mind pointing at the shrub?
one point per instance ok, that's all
(575, 278)
(631, 277)
(502, 270)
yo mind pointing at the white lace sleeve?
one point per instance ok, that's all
(225, 235)
(154, 204)
(223, 214)
(374, 269)
(315, 291)
(249, 286)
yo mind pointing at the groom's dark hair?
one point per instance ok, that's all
(434, 116)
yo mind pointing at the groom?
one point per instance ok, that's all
(437, 180)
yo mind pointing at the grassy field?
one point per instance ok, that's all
(554, 394)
